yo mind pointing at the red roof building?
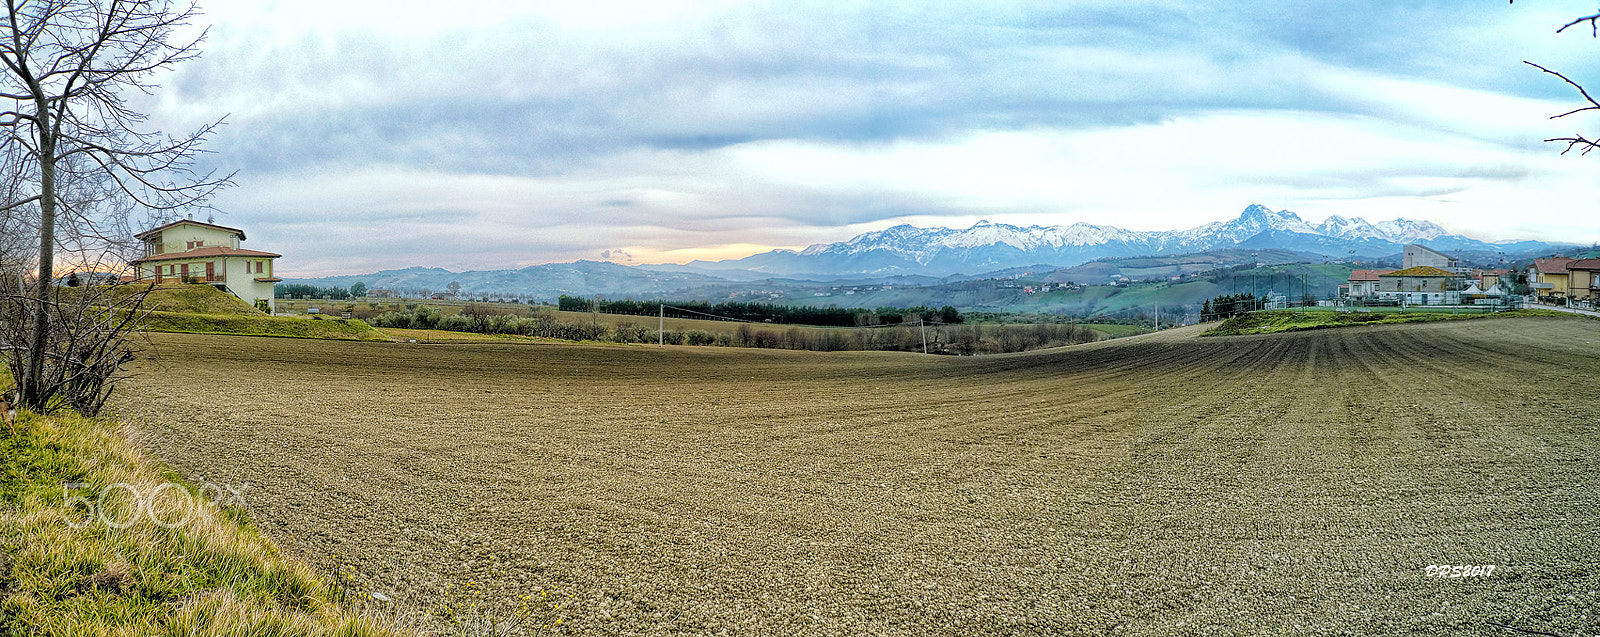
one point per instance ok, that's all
(1548, 277)
(1583, 279)
(189, 251)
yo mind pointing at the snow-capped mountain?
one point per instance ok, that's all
(1411, 230)
(1357, 228)
(984, 247)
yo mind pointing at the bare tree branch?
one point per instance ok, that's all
(78, 163)
(1577, 141)
(1594, 31)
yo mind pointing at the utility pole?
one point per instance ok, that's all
(1158, 316)
(924, 325)
(661, 328)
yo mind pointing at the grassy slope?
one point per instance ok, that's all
(1275, 321)
(337, 329)
(197, 299)
(202, 309)
(213, 575)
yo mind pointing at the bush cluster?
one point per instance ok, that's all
(769, 312)
(940, 339)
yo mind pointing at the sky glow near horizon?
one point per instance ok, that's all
(376, 135)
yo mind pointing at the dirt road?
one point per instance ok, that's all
(1290, 484)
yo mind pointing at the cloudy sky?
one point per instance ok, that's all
(374, 135)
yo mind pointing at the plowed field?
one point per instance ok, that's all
(1164, 484)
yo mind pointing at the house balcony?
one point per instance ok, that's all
(180, 278)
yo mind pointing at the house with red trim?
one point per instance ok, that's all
(188, 251)
(1363, 284)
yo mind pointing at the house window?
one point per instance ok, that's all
(258, 267)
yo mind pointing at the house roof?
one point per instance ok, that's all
(192, 222)
(1552, 265)
(1584, 264)
(1421, 270)
(208, 251)
(1367, 275)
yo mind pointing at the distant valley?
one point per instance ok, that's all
(906, 265)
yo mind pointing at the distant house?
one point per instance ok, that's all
(1416, 255)
(1488, 278)
(1364, 283)
(1422, 285)
(1548, 277)
(193, 252)
(1583, 279)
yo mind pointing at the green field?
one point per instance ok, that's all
(1273, 321)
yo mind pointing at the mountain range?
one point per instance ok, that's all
(908, 255)
(985, 247)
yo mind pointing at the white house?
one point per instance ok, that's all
(194, 252)
(1416, 255)
(1422, 285)
(1364, 283)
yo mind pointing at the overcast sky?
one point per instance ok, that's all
(375, 135)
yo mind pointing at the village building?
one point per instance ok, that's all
(189, 251)
(1416, 255)
(1489, 278)
(1583, 279)
(1548, 277)
(1363, 284)
(1422, 285)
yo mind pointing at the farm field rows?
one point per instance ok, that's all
(1297, 483)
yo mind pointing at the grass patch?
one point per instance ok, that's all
(262, 325)
(197, 299)
(1275, 321)
(1113, 330)
(65, 571)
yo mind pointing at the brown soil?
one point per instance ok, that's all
(1162, 484)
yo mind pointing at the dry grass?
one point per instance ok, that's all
(102, 565)
(1161, 484)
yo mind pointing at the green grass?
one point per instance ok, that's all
(65, 571)
(1113, 330)
(1274, 321)
(197, 299)
(262, 325)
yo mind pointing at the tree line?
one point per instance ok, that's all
(1228, 306)
(936, 338)
(768, 312)
(306, 291)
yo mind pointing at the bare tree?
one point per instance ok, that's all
(72, 144)
(94, 332)
(1577, 141)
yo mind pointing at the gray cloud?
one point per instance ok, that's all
(562, 116)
